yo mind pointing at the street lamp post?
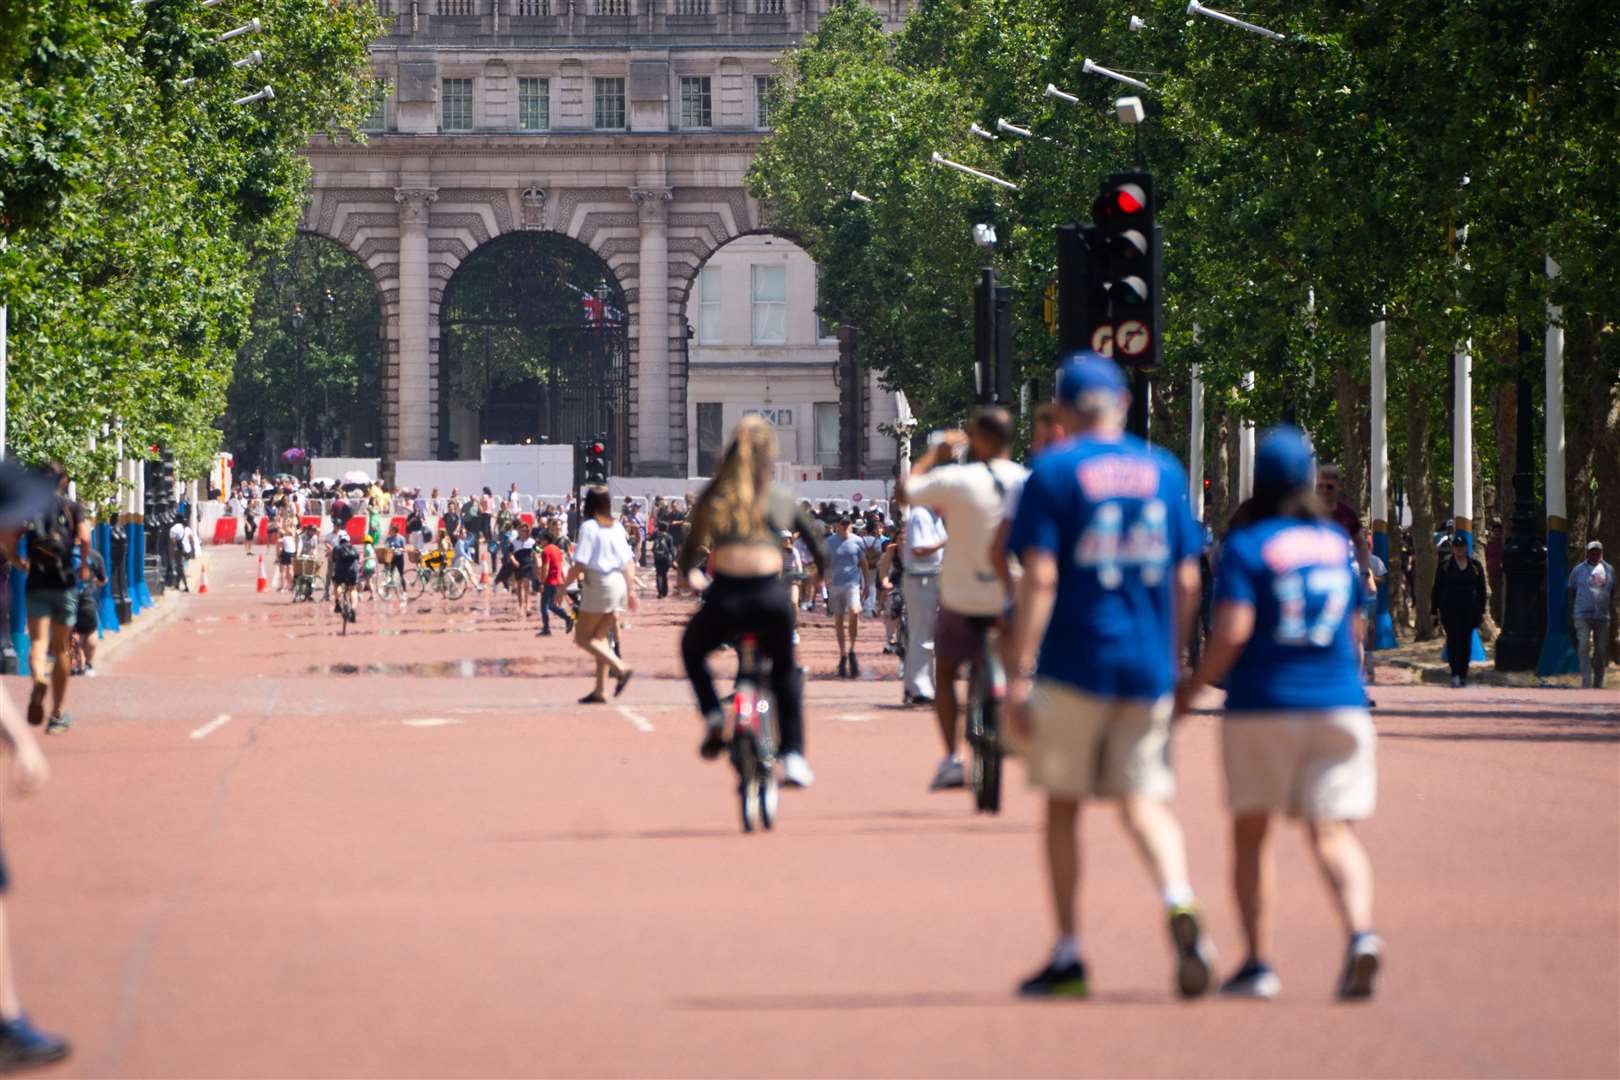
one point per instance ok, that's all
(329, 307)
(298, 374)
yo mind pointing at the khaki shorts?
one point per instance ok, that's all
(1318, 765)
(603, 594)
(1084, 745)
(843, 599)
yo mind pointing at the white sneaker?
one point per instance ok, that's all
(796, 771)
(948, 775)
(795, 637)
(89, 671)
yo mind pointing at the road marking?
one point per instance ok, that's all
(641, 722)
(212, 726)
(860, 719)
(430, 721)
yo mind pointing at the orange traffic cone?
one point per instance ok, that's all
(263, 581)
(202, 586)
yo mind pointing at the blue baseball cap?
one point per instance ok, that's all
(1085, 372)
(1283, 461)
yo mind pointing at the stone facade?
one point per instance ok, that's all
(627, 125)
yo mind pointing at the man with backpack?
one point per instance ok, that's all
(663, 552)
(45, 553)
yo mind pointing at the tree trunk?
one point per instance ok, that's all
(1218, 506)
(1353, 467)
(1421, 497)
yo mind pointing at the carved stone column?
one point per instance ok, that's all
(652, 451)
(413, 388)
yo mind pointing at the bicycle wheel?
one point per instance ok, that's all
(769, 795)
(455, 584)
(416, 583)
(746, 764)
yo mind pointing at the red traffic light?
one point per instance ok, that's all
(1129, 198)
(598, 448)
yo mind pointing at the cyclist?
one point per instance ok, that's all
(972, 497)
(1296, 737)
(740, 518)
(345, 573)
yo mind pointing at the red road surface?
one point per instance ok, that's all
(248, 865)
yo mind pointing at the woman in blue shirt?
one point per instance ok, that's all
(1296, 737)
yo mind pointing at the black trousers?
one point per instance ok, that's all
(661, 569)
(732, 607)
(1459, 647)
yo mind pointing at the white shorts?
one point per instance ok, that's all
(602, 594)
(843, 599)
(1085, 745)
(1316, 764)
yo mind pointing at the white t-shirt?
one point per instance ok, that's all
(924, 529)
(602, 548)
(973, 497)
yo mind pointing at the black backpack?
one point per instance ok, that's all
(50, 545)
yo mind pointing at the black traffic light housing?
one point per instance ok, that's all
(992, 340)
(1125, 247)
(594, 455)
(1082, 297)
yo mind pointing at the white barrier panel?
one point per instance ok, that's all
(333, 468)
(548, 467)
(444, 475)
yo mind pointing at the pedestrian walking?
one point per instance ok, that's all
(54, 551)
(551, 577)
(606, 568)
(846, 561)
(89, 617)
(1458, 601)
(1110, 556)
(182, 549)
(663, 555)
(1296, 737)
(1591, 597)
(924, 556)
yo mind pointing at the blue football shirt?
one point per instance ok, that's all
(1301, 579)
(1115, 515)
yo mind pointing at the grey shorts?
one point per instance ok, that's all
(843, 599)
(61, 606)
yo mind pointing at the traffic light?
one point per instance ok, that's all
(1082, 299)
(596, 460)
(1127, 244)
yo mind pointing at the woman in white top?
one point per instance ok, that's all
(602, 557)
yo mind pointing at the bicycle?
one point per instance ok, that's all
(753, 740)
(306, 572)
(987, 689)
(435, 572)
(345, 608)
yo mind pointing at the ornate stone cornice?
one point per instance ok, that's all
(415, 204)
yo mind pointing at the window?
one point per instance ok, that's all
(697, 107)
(711, 434)
(826, 329)
(775, 417)
(610, 103)
(455, 105)
(532, 8)
(455, 7)
(763, 85)
(376, 119)
(770, 305)
(827, 430)
(691, 7)
(534, 104)
(708, 330)
(611, 7)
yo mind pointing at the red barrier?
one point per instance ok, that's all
(225, 531)
(357, 529)
(264, 531)
(308, 521)
(398, 522)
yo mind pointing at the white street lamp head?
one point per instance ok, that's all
(250, 27)
(266, 94)
(1129, 110)
(1013, 129)
(1053, 92)
(858, 197)
(987, 136)
(1137, 24)
(1196, 8)
(1091, 67)
(252, 59)
(984, 235)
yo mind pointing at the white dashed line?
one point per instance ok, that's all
(641, 722)
(430, 721)
(212, 726)
(857, 719)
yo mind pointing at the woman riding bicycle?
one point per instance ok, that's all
(739, 519)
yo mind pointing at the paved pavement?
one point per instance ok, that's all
(270, 851)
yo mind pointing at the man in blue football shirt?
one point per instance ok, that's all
(1297, 738)
(1110, 555)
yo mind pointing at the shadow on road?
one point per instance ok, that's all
(903, 999)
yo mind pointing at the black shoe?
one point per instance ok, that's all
(593, 698)
(543, 632)
(22, 1045)
(843, 667)
(568, 625)
(921, 699)
(624, 681)
(854, 667)
(36, 704)
(1361, 966)
(1054, 981)
(714, 738)
(1254, 979)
